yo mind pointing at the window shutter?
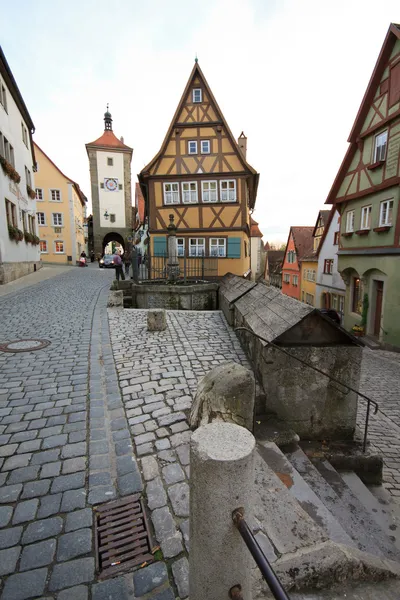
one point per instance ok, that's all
(234, 247)
(160, 246)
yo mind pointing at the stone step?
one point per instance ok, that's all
(303, 493)
(378, 590)
(383, 510)
(370, 342)
(351, 513)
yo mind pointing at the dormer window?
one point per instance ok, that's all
(380, 147)
(197, 95)
(192, 147)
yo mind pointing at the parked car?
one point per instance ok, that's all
(331, 313)
(107, 262)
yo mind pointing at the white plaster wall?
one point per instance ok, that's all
(113, 202)
(255, 256)
(329, 283)
(10, 126)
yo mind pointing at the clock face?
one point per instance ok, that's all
(111, 184)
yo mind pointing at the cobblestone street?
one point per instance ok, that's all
(90, 418)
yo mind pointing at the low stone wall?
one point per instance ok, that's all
(199, 296)
(10, 271)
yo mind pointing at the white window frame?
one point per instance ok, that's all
(189, 196)
(41, 193)
(110, 164)
(194, 151)
(39, 220)
(180, 246)
(55, 247)
(3, 96)
(309, 299)
(295, 280)
(171, 196)
(380, 146)
(209, 192)
(200, 243)
(43, 251)
(219, 245)
(366, 217)
(350, 221)
(329, 270)
(286, 278)
(203, 151)
(198, 91)
(51, 194)
(227, 191)
(54, 224)
(386, 205)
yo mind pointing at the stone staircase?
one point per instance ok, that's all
(327, 535)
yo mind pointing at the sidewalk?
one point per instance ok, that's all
(46, 272)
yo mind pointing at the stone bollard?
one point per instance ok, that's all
(115, 298)
(156, 320)
(221, 480)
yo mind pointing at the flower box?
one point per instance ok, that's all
(362, 232)
(382, 229)
(9, 170)
(31, 193)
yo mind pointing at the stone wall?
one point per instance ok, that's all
(201, 296)
(10, 271)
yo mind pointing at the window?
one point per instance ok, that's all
(32, 225)
(112, 218)
(302, 296)
(24, 227)
(356, 303)
(310, 299)
(110, 162)
(120, 186)
(291, 257)
(328, 266)
(59, 247)
(217, 247)
(24, 134)
(189, 192)
(366, 217)
(171, 193)
(209, 191)
(55, 195)
(39, 194)
(197, 95)
(350, 221)
(43, 246)
(380, 146)
(180, 246)
(28, 177)
(286, 278)
(11, 213)
(334, 301)
(205, 146)
(41, 217)
(6, 149)
(295, 280)
(57, 219)
(386, 213)
(197, 247)
(12, 160)
(336, 238)
(102, 185)
(341, 305)
(192, 147)
(3, 96)
(228, 190)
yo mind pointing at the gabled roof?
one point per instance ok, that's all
(139, 203)
(326, 228)
(303, 241)
(78, 190)
(275, 260)
(254, 229)
(324, 216)
(392, 36)
(109, 140)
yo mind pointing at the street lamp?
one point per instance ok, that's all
(106, 215)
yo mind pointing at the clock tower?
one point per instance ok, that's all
(110, 175)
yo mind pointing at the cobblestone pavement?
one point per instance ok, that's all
(158, 373)
(380, 379)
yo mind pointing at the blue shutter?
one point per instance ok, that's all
(160, 246)
(234, 245)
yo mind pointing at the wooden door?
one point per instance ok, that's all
(378, 308)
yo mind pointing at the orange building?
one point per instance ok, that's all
(299, 245)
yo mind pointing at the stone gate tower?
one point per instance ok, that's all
(110, 175)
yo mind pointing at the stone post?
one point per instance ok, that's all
(173, 262)
(221, 480)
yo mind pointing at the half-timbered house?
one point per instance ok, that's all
(202, 178)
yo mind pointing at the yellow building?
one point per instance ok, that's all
(201, 178)
(61, 208)
(309, 264)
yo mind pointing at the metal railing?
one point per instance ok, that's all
(191, 268)
(368, 400)
(262, 561)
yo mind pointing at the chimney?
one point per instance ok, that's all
(242, 142)
(121, 139)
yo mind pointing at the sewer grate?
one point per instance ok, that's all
(122, 536)
(24, 345)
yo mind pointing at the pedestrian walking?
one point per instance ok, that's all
(128, 262)
(119, 272)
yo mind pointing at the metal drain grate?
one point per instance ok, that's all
(121, 536)
(24, 345)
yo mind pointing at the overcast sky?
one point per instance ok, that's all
(290, 73)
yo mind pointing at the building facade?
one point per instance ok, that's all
(19, 246)
(299, 244)
(366, 194)
(110, 176)
(60, 213)
(330, 289)
(309, 265)
(257, 253)
(273, 266)
(201, 177)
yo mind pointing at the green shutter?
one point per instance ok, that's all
(160, 246)
(234, 244)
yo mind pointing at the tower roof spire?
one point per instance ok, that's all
(107, 120)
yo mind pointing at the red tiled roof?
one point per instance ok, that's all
(139, 203)
(267, 246)
(303, 241)
(109, 140)
(254, 229)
